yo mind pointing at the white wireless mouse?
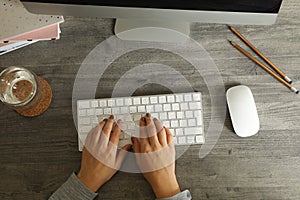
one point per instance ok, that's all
(242, 110)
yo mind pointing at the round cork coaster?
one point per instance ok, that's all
(44, 103)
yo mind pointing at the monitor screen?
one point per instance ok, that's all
(256, 6)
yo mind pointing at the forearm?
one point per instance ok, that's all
(73, 189)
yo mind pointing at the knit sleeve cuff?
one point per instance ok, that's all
(73, 189)
(184, 195)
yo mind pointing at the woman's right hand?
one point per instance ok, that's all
(155, 155)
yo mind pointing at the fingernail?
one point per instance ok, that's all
(155, 119)
(143, 119)
(105, 120)
(119, 121)
(148, 115)
(111, 117)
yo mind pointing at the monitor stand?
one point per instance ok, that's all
(156, 31)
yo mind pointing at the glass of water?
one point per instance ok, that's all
(20, 88)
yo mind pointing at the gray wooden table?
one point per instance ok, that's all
(38, 154)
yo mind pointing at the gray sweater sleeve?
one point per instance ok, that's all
(73, 189)
(185, 195)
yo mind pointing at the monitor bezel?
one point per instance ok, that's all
(153, 14)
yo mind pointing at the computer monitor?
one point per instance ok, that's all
(171, 14)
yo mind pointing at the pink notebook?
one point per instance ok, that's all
(46, 33)
(16, 23)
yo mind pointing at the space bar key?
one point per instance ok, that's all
(193, 131)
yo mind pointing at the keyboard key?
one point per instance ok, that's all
(145, 100)
(94, 104)
(197, 113)
(124, 110)
(107, 111)
(181, 140)
(127, 102)
(174, 123)
(175, 107)
(149, 108)
(132, 109)
(194, 105)
(199, 121)
(115, 110)
(167, 107)
(187, 97)
(171, 115)
(84, 120)
(153, 100)
(84, 104)
(136, 101)
(163, 116)
(158, 108)
(178, 131)
(99, 111)
(136, 117)
(199, 139)
(162, 99)
(180, 115)
(179, 98)
(192, 122)
(166, 124)
(111, 102)
(94, 121)
(189, 114)
(190, 139)
(197, 97)
(184, 106)
(171, 99)
(155, 115)
(82, 112)
(102, 103)
(141, 109)
(193, 131)
(183, 123)
(119, 102)
(90, 112)
(85, 129)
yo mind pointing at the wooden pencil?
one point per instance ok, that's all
(288, 85)
(285, 77)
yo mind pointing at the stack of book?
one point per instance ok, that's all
(19, 28)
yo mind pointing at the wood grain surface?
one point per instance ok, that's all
(38, 154)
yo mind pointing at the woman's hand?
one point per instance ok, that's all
(100, 160)
(155, 155)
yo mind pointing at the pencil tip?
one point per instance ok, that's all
(228, 26)
(297, 92)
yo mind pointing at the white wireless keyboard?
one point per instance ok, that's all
(181, 113)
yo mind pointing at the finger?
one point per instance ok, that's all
(143, 133)
(94, 134)
(161, 133)
(121, 155)
(136, 145)
(151, 131)
(108, 126)
(169, 136)
(115, 135)
(101, 125)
